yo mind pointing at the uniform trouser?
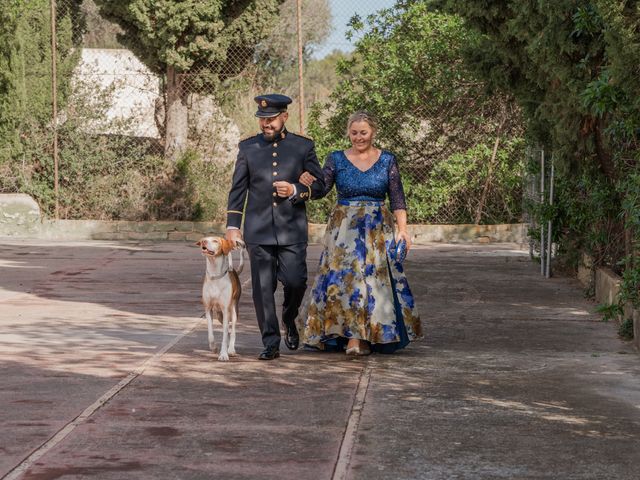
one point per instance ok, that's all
(270, 263)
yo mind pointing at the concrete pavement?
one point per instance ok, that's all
(516, 378)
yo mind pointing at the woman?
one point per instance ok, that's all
(360, 296)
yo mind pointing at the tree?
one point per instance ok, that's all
(194, 44)
(8, 98)
(433, 112)
(278, 54)
(25, 86)
(571, 65)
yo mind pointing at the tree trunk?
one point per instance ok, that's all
(176, 117)
(487, 182)
(604, 155)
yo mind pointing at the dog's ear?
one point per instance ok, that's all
(226, 246)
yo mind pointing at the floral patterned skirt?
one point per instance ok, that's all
(359, 291)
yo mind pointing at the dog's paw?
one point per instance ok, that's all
(223, 357)
(232, 352)
(213, 347)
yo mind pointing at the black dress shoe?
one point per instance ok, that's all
(269, 353)
(292, 339)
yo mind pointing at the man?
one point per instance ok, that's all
(275, 220)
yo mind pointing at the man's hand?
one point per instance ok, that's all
(307, 179)
(284, 189)
(233, 235)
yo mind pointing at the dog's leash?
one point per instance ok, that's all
(241, 265)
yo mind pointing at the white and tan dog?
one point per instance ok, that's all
(221, 291)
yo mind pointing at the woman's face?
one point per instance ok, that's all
(361, 135)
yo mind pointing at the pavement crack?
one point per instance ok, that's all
(341, 468)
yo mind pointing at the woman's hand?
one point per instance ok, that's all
(401, 225)
(403, 235)
(306, 179)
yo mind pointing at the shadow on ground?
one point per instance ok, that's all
(516, 378)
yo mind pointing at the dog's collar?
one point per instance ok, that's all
(221, 274)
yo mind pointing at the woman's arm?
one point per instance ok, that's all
(328, 173)
(398, 202)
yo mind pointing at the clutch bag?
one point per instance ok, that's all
(398, 250)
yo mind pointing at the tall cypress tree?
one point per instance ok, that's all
(8, 45)
(25, 67)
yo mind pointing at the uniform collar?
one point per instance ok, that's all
(283, 134)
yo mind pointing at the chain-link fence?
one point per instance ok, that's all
(151, 104)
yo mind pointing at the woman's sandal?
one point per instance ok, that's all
(358, 352)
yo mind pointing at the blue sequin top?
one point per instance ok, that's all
(382, 178)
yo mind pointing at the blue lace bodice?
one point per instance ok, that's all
(374, 184)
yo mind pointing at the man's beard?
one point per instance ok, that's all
(272, 136)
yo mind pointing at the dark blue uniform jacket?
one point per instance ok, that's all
(269, 219)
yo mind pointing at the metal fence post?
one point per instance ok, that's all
(549, 244)
(300, 66)
(54, 101)
(542, 251)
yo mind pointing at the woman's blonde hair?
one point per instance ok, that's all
(362, 116)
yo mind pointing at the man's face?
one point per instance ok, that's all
(272, 126)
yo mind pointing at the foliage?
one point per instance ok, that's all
(205, 186)
(546, 54)
(572, 65)
(625, 330)
(101, 176)
(194, 44)
(277, 55)
(609, 311)
(237, 98)
(8, 81)
(116, 176)
(100, 32)
(26, 93)
(460, 180)
(216, 37)
(585, 217)
(408, 70)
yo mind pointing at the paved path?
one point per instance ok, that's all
(105, 374)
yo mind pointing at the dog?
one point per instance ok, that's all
(221, 290)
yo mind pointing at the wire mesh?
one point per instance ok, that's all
(152, 137)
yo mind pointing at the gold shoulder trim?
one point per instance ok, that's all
(234, 211)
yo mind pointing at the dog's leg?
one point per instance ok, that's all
(232, 340)
(212, 345)
(224, 351)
